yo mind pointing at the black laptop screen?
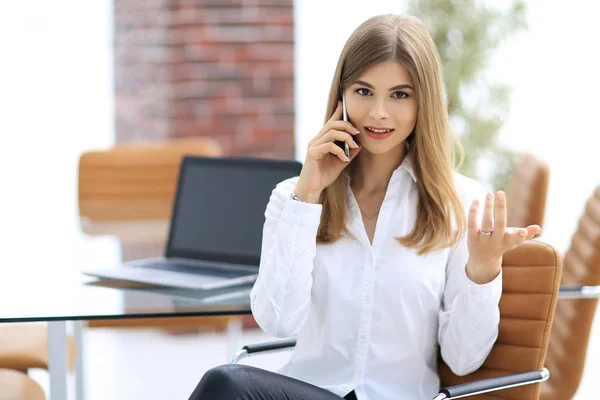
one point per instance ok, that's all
(219, 210)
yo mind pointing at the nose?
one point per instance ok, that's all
(379, 110)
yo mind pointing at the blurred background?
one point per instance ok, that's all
(253, 75)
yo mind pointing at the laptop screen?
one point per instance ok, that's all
(219, 208)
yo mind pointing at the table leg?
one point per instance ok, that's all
(79, 381)
(234, 334)
(57, 359)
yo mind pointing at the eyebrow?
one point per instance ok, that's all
(397, 87)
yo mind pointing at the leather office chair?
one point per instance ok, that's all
(527, 191)
(15, 385)
(576, 306)
(135, 181)
(531, 278)
(25, 345)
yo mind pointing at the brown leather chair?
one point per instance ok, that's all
(531, 278)
(527, 191)
(135, 181)
(576, 306)
(25, 345)
(15, 385)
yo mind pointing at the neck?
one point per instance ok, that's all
(373, 171)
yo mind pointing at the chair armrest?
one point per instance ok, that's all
(261, 348)
(579, 292)
(493, 384)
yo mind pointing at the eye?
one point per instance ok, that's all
(400, 95)
(363, 92)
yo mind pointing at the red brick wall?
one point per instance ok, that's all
(217, 68)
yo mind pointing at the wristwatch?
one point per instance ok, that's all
(293, 196)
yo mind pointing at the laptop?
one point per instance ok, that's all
(215, 232)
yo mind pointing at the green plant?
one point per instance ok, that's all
(467, 33)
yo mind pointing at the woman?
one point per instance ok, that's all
(376, 262)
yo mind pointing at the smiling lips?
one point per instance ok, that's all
(377, 132)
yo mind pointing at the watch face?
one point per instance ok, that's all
(294, 197)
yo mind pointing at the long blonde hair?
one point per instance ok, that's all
(432, 144)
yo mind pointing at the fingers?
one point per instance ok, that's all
(334, 131)
(334, 135)
(494, 219)
(341, 126)
(349, 128)
(325, 149)
(337, 114)
(515, 237)
(472, 218)
(487, 223)
(500, 214)
(354, 152)
(335, 123)
(533, 230)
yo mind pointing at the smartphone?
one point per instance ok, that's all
(340, 143)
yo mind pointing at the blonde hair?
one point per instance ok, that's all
(432, 144)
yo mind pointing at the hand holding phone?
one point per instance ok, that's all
(320, 168)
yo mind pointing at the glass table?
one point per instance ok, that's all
(49, 287)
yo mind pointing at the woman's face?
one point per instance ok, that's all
(382, 104)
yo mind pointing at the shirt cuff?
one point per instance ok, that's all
(303, 214)
(487, 292)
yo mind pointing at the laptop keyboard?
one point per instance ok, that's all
(204, 269)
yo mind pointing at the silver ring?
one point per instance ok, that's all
(487, 233)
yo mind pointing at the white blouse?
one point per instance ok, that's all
(371, 318)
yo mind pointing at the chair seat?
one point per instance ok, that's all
(25, 345)
(18, 386)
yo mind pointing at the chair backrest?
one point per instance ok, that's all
(574, 317)
(17, 385)
(527, 191)
(531, 278)
(135, 180)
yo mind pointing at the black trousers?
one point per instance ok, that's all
(243, 382)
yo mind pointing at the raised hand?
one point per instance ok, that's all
(488, 243)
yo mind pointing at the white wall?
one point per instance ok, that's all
(56, 101)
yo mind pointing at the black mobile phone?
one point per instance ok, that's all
(343, 145)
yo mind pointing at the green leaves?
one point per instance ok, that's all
(467, 34)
